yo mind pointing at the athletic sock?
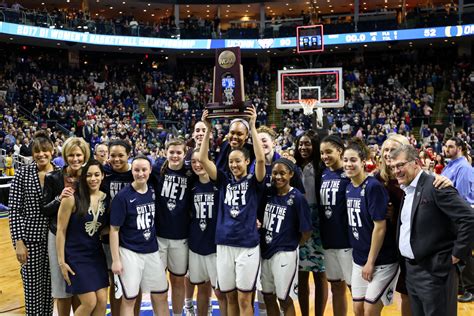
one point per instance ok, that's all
(188, 302)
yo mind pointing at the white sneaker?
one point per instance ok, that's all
(189, 311)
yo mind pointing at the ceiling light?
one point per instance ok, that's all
(149, 4)
(144, 10)
(111, 8)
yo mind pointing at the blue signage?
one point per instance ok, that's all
(244, 44)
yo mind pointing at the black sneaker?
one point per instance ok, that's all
(466, 297)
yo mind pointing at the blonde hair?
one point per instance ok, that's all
(267, 130)
(385, 173)
(72, 142)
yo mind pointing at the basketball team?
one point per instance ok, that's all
(245, 221)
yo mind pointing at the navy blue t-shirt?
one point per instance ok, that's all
(173, 202)
(237, 217)
(112, 184)
(202, 229)
(115, 181)
(285, 218)
(134, 213)
(365, 204)
(333, 210)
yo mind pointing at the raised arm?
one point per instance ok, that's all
(64, 214)
(207, 164)
(257, 145)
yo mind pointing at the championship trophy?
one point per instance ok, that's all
(228, 91)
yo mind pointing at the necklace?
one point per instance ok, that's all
(93, 226)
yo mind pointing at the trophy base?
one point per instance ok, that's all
(217, 110)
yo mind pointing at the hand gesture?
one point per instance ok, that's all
(117, 267)
(21, 252)
(251, 112)
(65, 270)
(368, 272)
(67, 192)
(442, 182)
(206, 119)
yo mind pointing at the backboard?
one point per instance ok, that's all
(323, 84)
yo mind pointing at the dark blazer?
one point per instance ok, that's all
(442, 224)
(53, 186)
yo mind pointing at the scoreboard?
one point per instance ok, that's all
(310, 39)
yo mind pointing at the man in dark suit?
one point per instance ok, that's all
(435, 230)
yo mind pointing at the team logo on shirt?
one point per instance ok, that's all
(268, 237)
(328, 212)
(355, 233)
(147, 234)
(171, 204)
(290, 200)
(203, 224)
(234, 211)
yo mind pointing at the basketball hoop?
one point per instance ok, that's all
(308, 105)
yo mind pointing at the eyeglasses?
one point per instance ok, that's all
(399, 165)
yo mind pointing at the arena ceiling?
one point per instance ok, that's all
(153, 10)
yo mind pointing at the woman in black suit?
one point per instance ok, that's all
(58, 185)
(29, 228)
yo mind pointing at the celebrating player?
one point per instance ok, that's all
(173, 184)
(375, 267)
(133, 243)
(286, 223)
(202, 235)
(333, 222)
(237, 238)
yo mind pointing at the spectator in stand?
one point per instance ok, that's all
(439, 164)
(101, 153)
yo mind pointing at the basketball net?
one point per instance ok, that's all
(308, 109)
(308, 105)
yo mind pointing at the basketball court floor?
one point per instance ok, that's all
(11, 291)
